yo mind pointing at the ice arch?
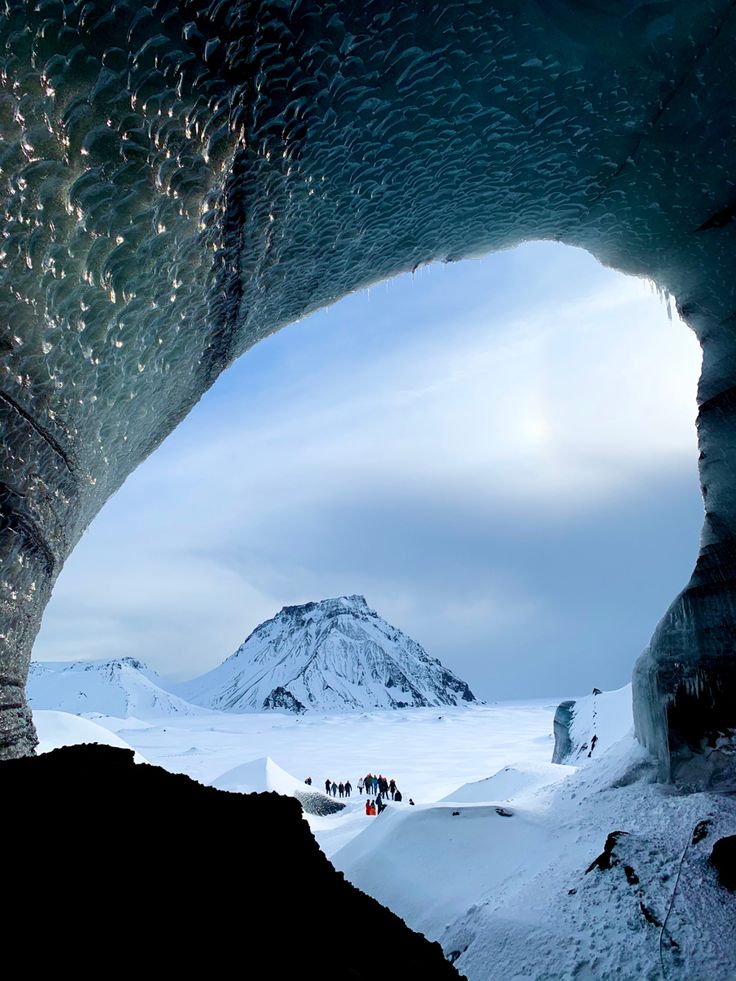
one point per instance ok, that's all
(182, 178)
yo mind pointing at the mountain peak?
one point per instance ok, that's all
(334, 604)
(131, 662)
(331, 655)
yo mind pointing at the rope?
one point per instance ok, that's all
(672, 898)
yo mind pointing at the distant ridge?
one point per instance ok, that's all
(120, 687)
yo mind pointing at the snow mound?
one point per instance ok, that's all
(116, 724)
(258, 777)
(120, 687)
(430, 862)
(510, 783)
(265, 776)
(56, 729)
(333, 656)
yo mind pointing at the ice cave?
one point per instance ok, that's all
(183, 178)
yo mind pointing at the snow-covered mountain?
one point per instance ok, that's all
(333, 656)
(120, 687)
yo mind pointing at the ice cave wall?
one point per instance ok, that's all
(180, 179)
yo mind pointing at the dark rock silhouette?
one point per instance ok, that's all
(132, 864)
(723, 859)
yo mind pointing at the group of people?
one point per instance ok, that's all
(379, 786)
(377, 791)
(335, 789)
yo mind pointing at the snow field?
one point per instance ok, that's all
(492, 860)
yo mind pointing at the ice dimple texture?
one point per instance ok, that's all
(181, 179)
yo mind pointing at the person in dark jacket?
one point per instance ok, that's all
(348, 788)
(392, 788)
(411, 802)
(328, 786)
(308, 781)
(341, 788)
(397, 795)
(334, 789)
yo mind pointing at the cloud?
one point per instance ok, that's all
(560, 407)
(346, 453)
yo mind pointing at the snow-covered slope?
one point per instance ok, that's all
(497, 873)
(520, 888)
(332, 656)
(121, 687)
(588, 726)
(57, 729)
(511, 783)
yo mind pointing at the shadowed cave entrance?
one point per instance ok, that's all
(169, 202)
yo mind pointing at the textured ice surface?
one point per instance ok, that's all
(333, 656)
(179, 180)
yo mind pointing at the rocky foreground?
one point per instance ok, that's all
(121, 863)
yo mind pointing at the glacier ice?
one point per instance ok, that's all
(586, 727)
(181, 178)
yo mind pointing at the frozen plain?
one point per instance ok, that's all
(492, 861)
(429, 751)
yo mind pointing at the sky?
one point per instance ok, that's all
(499, 454)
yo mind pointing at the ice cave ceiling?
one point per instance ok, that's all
(181, 179)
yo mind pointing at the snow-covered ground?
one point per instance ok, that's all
(492, 860)
(502, 885)
(56, 729)
(429, 752)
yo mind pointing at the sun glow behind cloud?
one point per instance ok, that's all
(392, 446)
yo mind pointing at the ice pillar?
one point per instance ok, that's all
(685, 682)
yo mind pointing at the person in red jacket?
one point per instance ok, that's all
(367, 806)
